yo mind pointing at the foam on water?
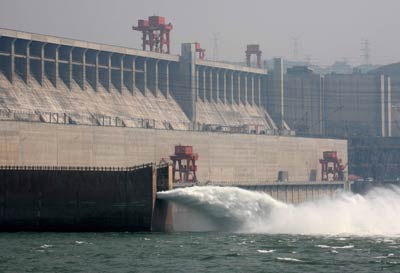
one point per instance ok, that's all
(255, 212)
(46, 246)
(335, 247)
(286, 259)
(265, 251)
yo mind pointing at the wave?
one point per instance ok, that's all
(234, 209)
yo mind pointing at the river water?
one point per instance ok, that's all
(348, 233)
(196, 252)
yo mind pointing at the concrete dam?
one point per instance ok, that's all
(91, 84)
(80, 104)
(133, 106)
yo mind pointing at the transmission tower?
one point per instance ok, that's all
(215, 46)
(295, 48)
(366, 51)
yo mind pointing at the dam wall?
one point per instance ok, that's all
(95, 84)
(223, 157)
(89, 83)
(229, 95)
(296, 193)
(376, 158)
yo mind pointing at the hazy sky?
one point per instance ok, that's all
(326, 30)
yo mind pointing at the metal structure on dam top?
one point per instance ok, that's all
(184, 163)
(155, 34)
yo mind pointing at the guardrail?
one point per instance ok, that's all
(129, 122)
(81, 168)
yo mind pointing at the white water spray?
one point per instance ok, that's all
(234, 209)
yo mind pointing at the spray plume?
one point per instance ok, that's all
(238, 210)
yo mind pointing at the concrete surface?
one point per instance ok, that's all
(227, 158)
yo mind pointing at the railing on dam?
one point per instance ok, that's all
(129, 122)
(82, 168)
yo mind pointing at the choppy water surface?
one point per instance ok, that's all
(196, 252)
(255, 233)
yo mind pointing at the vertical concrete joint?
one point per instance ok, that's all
(145, 77)
(167, 80)
(197, 83)
(252, 89)
(204, 85)
(56, 64)
(259, 79)
(133, 83)
(210, 87)
(239, 87)
(224, 86)
(12, 61)
(42, 74)
(109, 72)
(70, 68)
(382, 105)
(84, 69)
(216, 91)
(389, 106)
(156, 77)
(96, 77)
(28, 61)
(246, 90)
(121, 73)
(231, 95)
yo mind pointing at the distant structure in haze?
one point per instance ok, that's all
(295, 48)
(253, 50)
(338, 105)
(215, 46)
(366, 52)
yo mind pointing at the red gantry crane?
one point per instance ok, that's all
(201, 51)
(184, 163)
(156, 34)
(331, 164)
